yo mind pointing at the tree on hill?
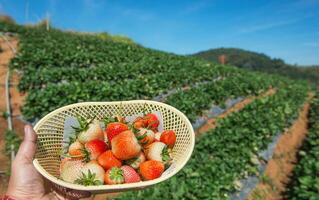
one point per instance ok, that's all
(261, 62)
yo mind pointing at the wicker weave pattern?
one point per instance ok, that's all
(50, 135)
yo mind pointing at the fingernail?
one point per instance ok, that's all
(27, 131)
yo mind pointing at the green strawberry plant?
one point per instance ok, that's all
(304, 183)
(223, 155)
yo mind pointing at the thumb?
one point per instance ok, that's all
(28, 146)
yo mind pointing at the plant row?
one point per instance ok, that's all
(305, 178)
(55, 56)
(195, 101)
(41, 101)
(176, 75)
(223, 156)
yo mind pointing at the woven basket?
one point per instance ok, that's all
(50, 135)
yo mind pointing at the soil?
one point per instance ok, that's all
(16, 103)
(211, 123)
(279, 168)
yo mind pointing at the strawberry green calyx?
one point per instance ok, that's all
(165, 155)
(116, 175)
(84, 124)
(141, 137)
(108, 120)
(133, 162)
(88, 179)
(86, 155)
(133, 129)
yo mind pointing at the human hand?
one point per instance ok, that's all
(25, 182)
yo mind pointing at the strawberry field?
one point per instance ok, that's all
(59, 68)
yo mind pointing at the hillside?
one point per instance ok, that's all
(84, 67)
(261, 62)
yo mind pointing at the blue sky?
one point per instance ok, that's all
(288, 29)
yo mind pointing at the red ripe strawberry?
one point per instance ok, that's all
(135, 162)
(151, 169)
(94, 148)
(89, 130)
(114, 128)
(114, 176)
(91, 174)
(107, 160)
(168, 137)
(75, 149)
(125, 145)
(158, 151)
(70, 169)
(130, 175)
(145, 136)
(152, 121)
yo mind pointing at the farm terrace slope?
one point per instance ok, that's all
(60, 68)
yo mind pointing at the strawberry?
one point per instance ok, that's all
(114, 176)
(114, 128)
(152, 121)
(70, 169)
(130, 175)
(63, 161)
(125, 145)
(168, 137)
(88, 130)
(135, 162)
(91, 174)
(139, 122)
(94, 148)
(151, 169)
(75, 149)
(145, 136)
(107, 160)
(157, 151)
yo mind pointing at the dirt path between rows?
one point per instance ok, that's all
(16, 102)
(211, 123)
(279, 168)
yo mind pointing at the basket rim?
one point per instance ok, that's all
(125, 186)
